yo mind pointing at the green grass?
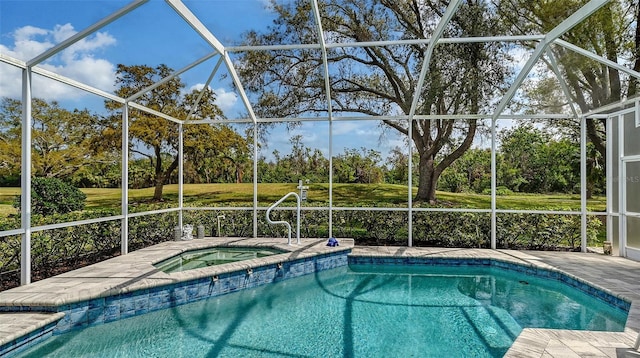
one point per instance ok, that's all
(343, 195)
(7, 195)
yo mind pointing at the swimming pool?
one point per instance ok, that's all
(356, 310)
(212, 256)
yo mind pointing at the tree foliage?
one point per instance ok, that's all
(156, 138)
(470, 173)
(303, 163)
(53, 196)
(382, 80)
(534, 161)
(61, 139)
(609, 33)
(361, 166)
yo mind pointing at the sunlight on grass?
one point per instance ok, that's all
(347, 195)
(7, 195)
(6, 210)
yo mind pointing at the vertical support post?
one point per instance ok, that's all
(494, 179)
(583, 184)
(327, 89)
(410, 184)
(636, 112)
(124, 205)
(330, 178)
(609, 175)
(25, 204)
(298, 220)
(255, 180)
(622, 189)
(180, 173)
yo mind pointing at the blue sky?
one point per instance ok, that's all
(151, 35)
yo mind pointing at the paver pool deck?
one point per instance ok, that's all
(134, 271)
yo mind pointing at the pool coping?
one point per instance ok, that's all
(129, 285)
(135, 272)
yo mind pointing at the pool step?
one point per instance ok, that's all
(491, 324)
(20, 330)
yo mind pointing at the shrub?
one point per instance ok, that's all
(53, 196)
(57, 250)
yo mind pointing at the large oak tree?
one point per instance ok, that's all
(379, 81)
(61, 139)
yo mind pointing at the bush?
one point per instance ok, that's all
(58, 250)
(438, 229)
(53, 196)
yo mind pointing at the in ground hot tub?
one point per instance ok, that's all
(213, 256)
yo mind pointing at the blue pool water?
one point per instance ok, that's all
(355, 311)
(212, 256)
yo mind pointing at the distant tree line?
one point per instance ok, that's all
(529, 160)
(70, 145)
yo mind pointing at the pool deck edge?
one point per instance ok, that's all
(135, 271)
(26, 310)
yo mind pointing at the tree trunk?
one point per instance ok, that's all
(633, 82)
(429, 173)
(426, 182)
(157, 193)
(615, 90)
(238, 175)
(159, 178)
(163, 177)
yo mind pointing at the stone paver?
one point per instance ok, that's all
(14, 325)
(135, 271)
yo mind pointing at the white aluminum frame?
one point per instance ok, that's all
(544, 42)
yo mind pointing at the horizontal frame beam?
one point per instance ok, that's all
(84, 33)
(446, 40)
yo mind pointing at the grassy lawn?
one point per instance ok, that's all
(7, 195)
(343, 195)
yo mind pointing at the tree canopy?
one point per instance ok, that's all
(61, 138)
(611, 33)
(381, 81)
(156, 138)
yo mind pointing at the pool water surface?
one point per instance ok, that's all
(354, 311)
(212, 256)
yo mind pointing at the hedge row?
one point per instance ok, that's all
(59, 250)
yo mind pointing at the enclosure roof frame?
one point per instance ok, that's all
(542, 48)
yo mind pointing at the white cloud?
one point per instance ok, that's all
(309, 136)
(226, 100)
(520, 57)
(346, 128)
(27, 32)
(78, 62)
